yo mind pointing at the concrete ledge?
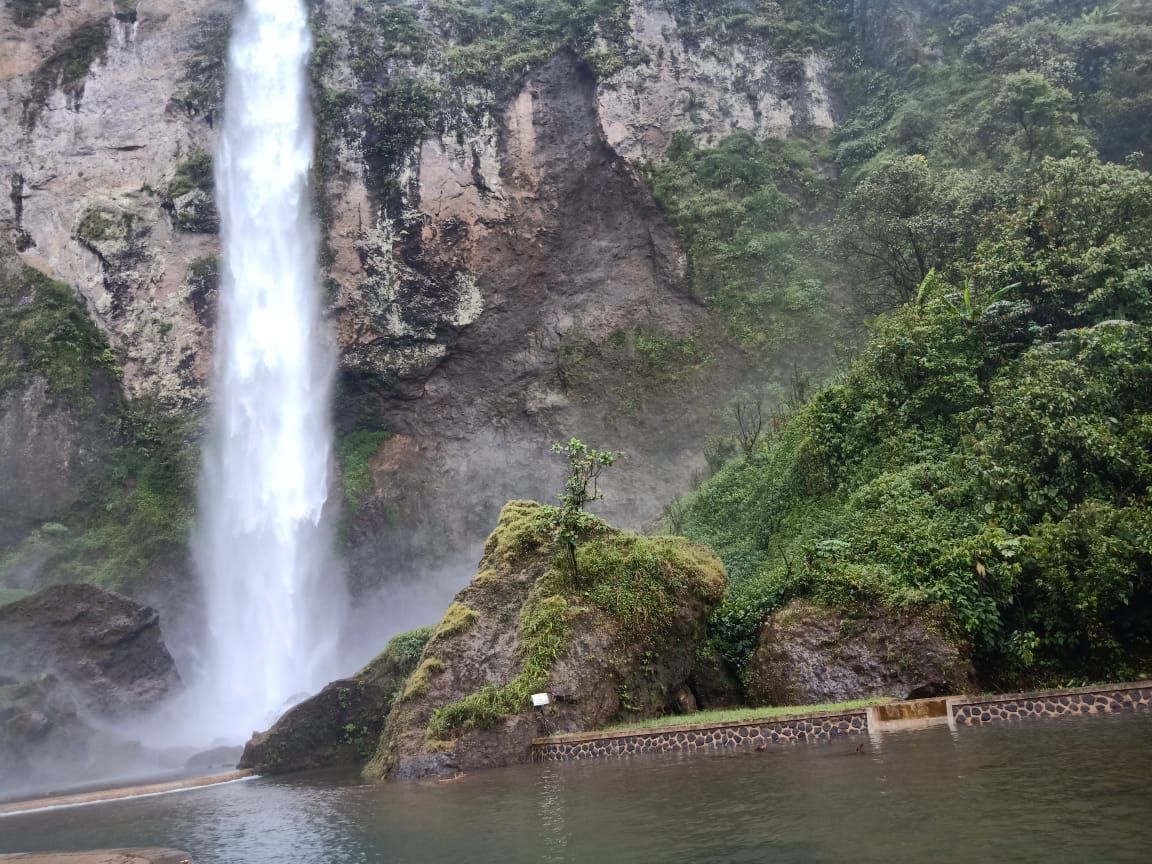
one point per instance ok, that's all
(119, 794)
(103, 856)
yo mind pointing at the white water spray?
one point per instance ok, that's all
(274, 598)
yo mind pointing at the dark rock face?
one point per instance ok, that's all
(342, 723)
(714, 683)
(522, 628)
(809, 654)
(105, 648)
(572, 248)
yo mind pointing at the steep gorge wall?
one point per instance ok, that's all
(461, 281)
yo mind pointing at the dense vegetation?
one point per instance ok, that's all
(990, 452)
(136, 512)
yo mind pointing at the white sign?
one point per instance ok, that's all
(539, 700)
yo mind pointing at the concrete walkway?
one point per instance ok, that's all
(119, 794)
(104, 856)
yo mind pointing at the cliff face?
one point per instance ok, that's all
(470, 274)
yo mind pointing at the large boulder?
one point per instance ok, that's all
(616, 640)
(342, 723)
(808, 654)
(106, 649)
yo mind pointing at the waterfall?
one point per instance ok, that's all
(274, 599)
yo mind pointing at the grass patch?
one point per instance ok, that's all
(355, 451)
(737, 715)
(642, 582)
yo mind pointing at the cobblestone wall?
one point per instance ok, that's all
(1086, 701)
(696, 739)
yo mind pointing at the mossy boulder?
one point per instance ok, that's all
(616, 640)
(341, 724)
(809, 654)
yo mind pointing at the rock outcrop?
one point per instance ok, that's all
(808, 654)
(342, 723)
(104, 648)
(467, 280)
(615, 641)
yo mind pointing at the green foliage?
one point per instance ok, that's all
(569, 522)
(743, 211)
(44, 330)
(136, 515)
(195, 172)
(356, 452)
(407, 647)
(400, 115)
(988, 453)
(457, 620)
(67, 68)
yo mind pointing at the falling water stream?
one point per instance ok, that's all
(274, 600)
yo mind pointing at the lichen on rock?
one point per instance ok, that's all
(615, 640)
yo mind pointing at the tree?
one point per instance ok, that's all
(569, 521)
(1036, 117)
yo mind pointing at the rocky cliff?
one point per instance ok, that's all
(498, 273)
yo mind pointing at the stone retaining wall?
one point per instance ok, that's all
(741, 735)
(1078, 702)
(962, 711)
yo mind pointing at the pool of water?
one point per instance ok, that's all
(1061, 791)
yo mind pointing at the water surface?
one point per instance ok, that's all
(1059, 791)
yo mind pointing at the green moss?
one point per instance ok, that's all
(417, 683)
(457, 620)
(643, 582)
(629, 366)
(98, 225)
(356, 452)
(67, 68)
(544, 626)
(521, 531)
(11, 595)
(125, 10)
(195, 172)
(44, 330)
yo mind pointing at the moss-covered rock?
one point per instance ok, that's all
(617, 640)
(341, 724)
(809, 654)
